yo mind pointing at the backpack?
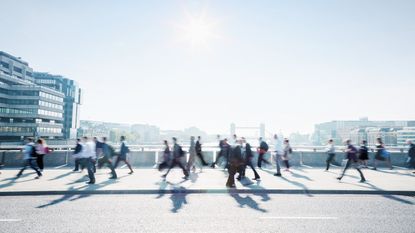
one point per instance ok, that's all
(33, 151)
(265, 146)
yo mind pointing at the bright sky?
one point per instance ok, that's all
(289, 64)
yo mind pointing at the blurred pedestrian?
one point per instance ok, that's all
(87, 158)
(224, 149)
(166, 156)
(199, 152)
(41, 150)
(29, 157)
(235, 163)
(178, 155)
(262, 150)
(77, 150)
(192, 155)
(381, 154)
(122, 156)
(287, 152)
(411, 154)
(279, 152)
(363, 154)
(331, 153)
(106, 159)
(351, 155)
(248, 157)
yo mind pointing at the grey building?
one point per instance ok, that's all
(27, 109)
(72, 99)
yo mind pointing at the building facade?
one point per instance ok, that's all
(72, 99)
(27, 109)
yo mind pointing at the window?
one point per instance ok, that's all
(4, 64)
(17, 69)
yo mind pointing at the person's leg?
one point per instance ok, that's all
(329, 161)
(39, 161)
(260, 158)
(202, 159)
(253, 169)
(111, 167)
(231, 178)
(185, 172)
(348, 163)
(173, 164)
(277, 162)
(117, 161)
(128, 165)
(34, 167)
(217, 159)
(76, 165)
(389, 162)
(362, 177)
(90, 167)
(25, 164)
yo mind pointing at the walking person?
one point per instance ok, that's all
(199, 152)
(331, 153)
(98, 151)
(262, 150)
(106, 159)
(248, 157)
(351, 155)
(411, 154)
(363, 154)
(178, 154)
(29, 157)
(87, 158)
(166, 156)
(381, 154)
(279, 152)
(223, 152)
(41, 151)
(192, 156)
(287, 152)
(235, 163)
(124, 150)
(77, 150)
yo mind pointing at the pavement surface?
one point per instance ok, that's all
(148, 181)
(184, 212)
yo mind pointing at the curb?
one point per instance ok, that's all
(208, 191)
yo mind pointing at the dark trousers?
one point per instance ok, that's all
(220, 155)
(89, 164)
(29, 163)
(124, 159)
(233, 168)
(352, 163)
(106, 161)
(202, 159)
(249, 164)
(176, 162)
(287, 164)
(39, 161)
(329, 160)
(261, 159)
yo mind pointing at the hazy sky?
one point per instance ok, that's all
(175, 64)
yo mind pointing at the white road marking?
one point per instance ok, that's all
(61, 166)
(10, 220)
(303, 165)
(123, 166)
(300, 217)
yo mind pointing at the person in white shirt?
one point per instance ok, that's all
(330, 150)
(86, 157)
(279, 152)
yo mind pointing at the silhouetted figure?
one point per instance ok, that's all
(223, 153)
(166, 157)
(363, 153)
(411, 154)
(106, 159)
(287, 152)
(77, 150)
(248, 156)
(235, 162)
(41, 150)
(98, 152)
(178, 155)
(381, 154)
(192, 155)
(124, 150)
(351, 155)
(262, 150)
(331, 153)
(29, 157)
(199, 152)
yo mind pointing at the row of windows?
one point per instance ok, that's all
(49, 113)
(6, 129)
(50, 105)
(17, 69)
(17, 111)
(19, 92)
(17, 101)
(48, 130)
(49, 96)
(5, 64)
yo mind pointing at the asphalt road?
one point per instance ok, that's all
(180, 212)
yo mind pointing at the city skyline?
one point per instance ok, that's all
(209, 63)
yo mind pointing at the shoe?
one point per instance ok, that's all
(256, 178)
(164, 176)
(213, 165)
(131, 172)
(339, 178)
(362, 180)
(231, 186)
(277, 174)
(185, 177)
(38, 177)
(91, 182)
(374, 169)
(326, 170)
(113, 177)
(238, 178)
(75, 170)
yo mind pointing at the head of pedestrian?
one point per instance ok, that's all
(286, 141)
(192, 138)
(95, 139)
(379, 140)
(260, 139)
(199, 138)
(78, 140)
(225, 140)
(409, 142)
(165, 142)
(122, 138)
(330, 141)
(347, 142)
(275, 136)
(84, 139)
(29, 140)
(243, 139)
(364, 142)
(40, 141)
(218, 136)
(104, 139)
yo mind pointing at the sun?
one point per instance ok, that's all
(197, 31)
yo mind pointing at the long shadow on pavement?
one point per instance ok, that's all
(63, 175)
(247, 201)
(178, 199)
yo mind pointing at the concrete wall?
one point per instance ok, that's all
(149, 158)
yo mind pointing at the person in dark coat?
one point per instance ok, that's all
(178, 154)
(166, 156)
(236, 161)
(363, 154)
(411, 154)
(351, 155)
(199, 151)
(223, 153)
(78, 149)
(248, 156)
(262, 150)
